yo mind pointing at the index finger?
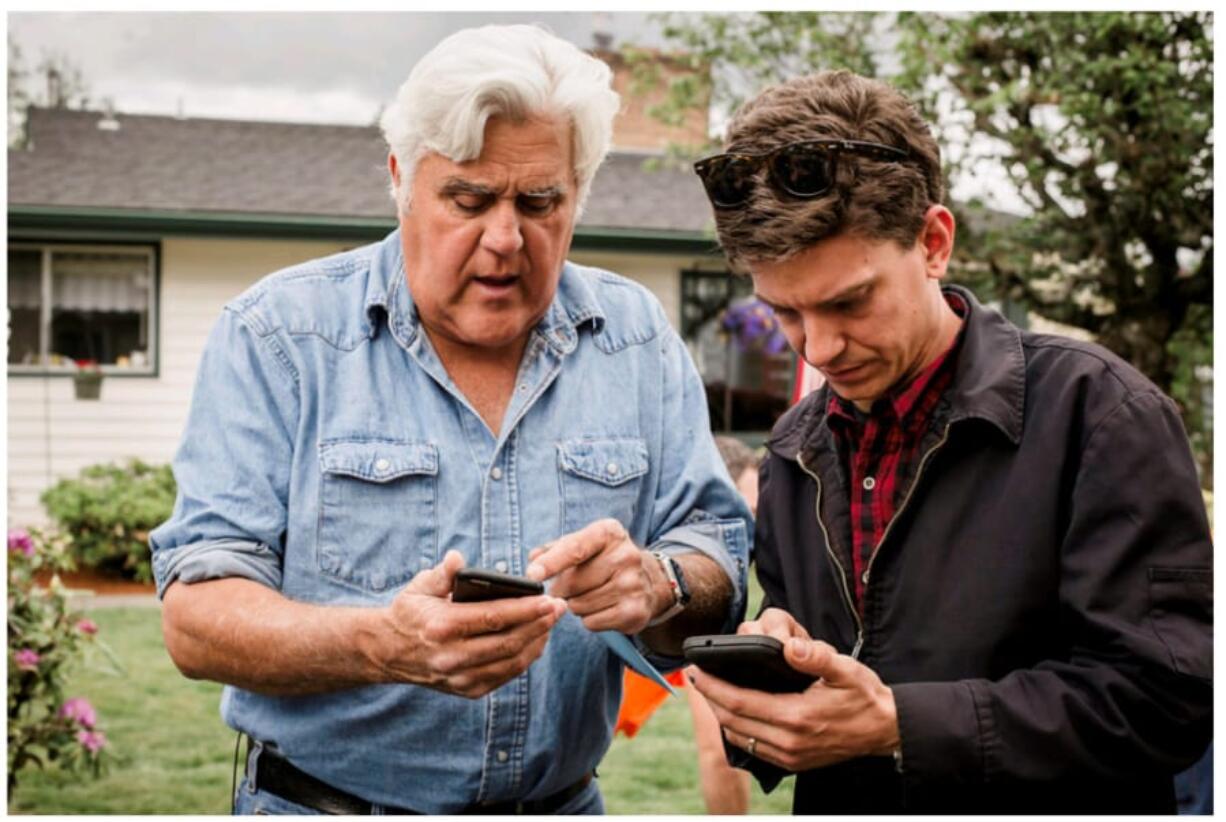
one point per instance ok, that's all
(572, 549)
(744, 702)
(496, 615)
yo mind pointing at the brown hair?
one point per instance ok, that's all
(879, 199)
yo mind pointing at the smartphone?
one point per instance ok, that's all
(747, 661)
(479, 585)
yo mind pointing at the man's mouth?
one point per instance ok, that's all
(498, 284)
(842, 373)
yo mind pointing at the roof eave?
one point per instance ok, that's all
(42, 220)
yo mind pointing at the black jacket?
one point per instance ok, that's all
(1041, 603)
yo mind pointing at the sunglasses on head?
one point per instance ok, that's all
(804, 169)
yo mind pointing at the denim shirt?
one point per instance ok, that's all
(328, 455)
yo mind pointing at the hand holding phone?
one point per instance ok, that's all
(747, 661)
(480, 585)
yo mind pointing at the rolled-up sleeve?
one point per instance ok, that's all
(232, 467)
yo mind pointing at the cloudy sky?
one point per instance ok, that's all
(315, 67)
(324, 67)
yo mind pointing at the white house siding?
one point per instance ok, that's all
(52, 435)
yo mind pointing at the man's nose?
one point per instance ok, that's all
(824, 343)
(502, 234)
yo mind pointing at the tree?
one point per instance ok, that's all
(1103, 125)
(55, 83)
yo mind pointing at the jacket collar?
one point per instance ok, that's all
(387, 293)
(989, 384)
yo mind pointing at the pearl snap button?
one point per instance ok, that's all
(500, 566)
(612, 469)
(869, 483)
(382, 465)
(496, 472)
(503, 756)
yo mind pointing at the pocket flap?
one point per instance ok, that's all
(607, 461)
(378, 460)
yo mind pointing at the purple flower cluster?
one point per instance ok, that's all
(92, 741)
(20, 542)
(753, 324)
(79, 710)
(27, 659)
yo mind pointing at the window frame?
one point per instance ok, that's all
(46, 248)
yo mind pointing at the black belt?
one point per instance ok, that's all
(275, 774)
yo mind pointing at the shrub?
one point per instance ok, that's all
(45, 639)
(108, 511)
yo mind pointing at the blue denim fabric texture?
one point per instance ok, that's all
(329, 456)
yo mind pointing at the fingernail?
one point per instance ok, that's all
(690, 677)
(535, 571)
(800, 648)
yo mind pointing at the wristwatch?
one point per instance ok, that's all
(676, 581)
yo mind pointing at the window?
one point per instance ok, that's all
(748, 381)
(73, 303)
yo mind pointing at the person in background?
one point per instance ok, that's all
(365, 425)
(987, 546)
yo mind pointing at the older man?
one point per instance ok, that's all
(988, 544)
(365, 425)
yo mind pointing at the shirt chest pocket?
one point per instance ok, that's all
(600, 478)
(378, 521)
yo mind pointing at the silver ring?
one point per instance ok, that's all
(751, 745)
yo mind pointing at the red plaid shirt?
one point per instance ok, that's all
(881, 449)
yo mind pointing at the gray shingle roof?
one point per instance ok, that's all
(167, 164)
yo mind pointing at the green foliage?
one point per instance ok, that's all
(45, 640)
(1103, 126)
(109, 510)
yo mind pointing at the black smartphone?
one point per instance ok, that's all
(479, 585)
(747, 661)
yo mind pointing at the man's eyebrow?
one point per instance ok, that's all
(458, 185)
(546, 191)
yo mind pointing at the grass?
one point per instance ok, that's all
(173, 754)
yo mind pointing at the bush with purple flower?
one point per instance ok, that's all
(46, 638)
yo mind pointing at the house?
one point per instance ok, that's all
(128, 233)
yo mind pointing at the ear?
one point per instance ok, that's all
(937, 240)
(393, 168)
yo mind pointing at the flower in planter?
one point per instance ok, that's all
(19, 540)
(87, 626)
(87, 367)
(27, 659)
(79, 710)
(753, 325)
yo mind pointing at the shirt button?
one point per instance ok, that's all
(864, 577)
(869, 483)
(382, 465)
(503, 756)
(500, 566)
(496, 472)
(523, 386)
(612, 469)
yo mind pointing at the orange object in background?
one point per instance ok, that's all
(640, 697)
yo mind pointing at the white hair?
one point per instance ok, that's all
(516, 72)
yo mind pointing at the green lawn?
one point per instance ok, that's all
(173, 754)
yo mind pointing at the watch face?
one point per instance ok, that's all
(683, 588)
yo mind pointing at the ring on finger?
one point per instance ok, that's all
(751, 746)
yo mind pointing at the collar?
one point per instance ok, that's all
(387, 295)
(989, 383)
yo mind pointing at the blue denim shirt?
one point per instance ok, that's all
(329, 456)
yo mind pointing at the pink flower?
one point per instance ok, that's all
(27, 659)
(92, 741)
(19, 540)
(79, 710)
(87, 626)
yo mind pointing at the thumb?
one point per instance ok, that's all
(437, 581)
(819, 659)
